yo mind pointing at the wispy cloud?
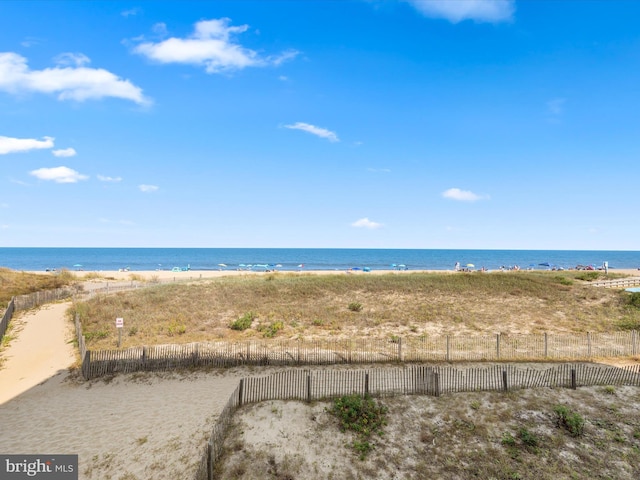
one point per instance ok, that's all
(70, 79)
(379, 170)
(15, 145)
(210, 45)
(462, 195)
(366, 223)
(58, 175)
(148, 188)
(555, 107)
(488, 11)
(132, 12)
(104, 178)
(318, 131)
(65, 152)
(30, 42)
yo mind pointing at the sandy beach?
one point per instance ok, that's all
(167, 275)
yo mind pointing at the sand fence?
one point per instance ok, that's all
(308, 385)
(297, 352)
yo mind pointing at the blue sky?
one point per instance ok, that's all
(366, 124)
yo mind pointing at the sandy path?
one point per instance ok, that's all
(137, 426)
(42, 349)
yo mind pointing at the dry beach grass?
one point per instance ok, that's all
(340, 305)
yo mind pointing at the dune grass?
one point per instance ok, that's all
(14, 283)
(293, 305)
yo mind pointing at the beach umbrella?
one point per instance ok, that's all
(77, 265)
(470, 265)
(545, 264)
(221, 265)
(278, 266)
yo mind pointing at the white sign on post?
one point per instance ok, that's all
(119, 322)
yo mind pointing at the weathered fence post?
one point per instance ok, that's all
(574, 384)
(240, 392)
(366, 383)
(498, 346)
(588, 344)
(86, 365)
(209, 460)
(299, 340)
(546, 345)
(400, 349)
(448, 349)
(505, 386)
(308, 388)
(143, 359)
(436, 383)
(248, 351)
(195, 356)
(634, 338)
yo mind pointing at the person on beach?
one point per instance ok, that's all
(457, 267)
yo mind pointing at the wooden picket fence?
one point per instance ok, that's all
(31, 300)
(307, 385)
(6, 317)
(295, 352)
(617, 283)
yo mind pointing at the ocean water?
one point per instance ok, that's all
(295, 259)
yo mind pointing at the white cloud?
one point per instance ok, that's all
(491, 11)
(131, 12)
(14, 145)
(211, 46)
(4, 205)
(65, 152)
(76, 82)
(318, 131)
(103, 178)
(4, 227)
(462, 195)
(366, 223)
(58, 175)
(148, 188)
(72, 59)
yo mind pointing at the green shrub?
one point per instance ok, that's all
(176, 328)
(563, 280)
(634, 299)
(569, 420)
(355, 306)
(272, 329)
(528, 438)
(243, 322)
(508, 440)
(588, 276)
(361, 415)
